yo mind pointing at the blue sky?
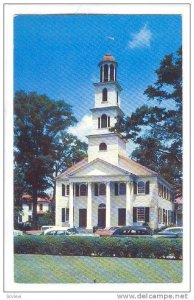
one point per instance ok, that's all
(58, 55)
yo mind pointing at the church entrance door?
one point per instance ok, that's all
(82, 217)
(102, 215)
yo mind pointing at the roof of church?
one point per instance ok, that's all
(134, 167)
(108, 57)
(81, 163)
(125, 164)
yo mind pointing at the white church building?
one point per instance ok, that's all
(107, 188)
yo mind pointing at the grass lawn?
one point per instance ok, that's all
(82, 269)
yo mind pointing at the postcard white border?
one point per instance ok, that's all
(10, 10)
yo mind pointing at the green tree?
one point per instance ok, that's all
(37, 122)
(68, 151)
(157, 129)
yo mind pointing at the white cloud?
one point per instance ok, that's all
(141, 38)
(82, 128)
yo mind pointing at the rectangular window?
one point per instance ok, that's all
(122, 188)
(141, 214)
(65, 215)
(40, 206)
(30, 206)
(141, 187)
(67, 190)
(63, 190)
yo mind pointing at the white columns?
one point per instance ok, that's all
(102, 73)
(129, 204)
(89, 206)
(108, 212)
(71, 204)
(108, 72)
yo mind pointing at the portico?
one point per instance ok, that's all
(99, 207)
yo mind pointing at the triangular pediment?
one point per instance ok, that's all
(98, 167)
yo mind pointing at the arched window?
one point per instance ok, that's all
(104, 121)
(141, 187)
(102, 146)
(101, 74)
(102, 189)
(111, 72)
(104, 94)
(83, 190)
(106, 73)
(122, 188)
(102, 205)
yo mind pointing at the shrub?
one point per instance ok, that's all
(105, 246)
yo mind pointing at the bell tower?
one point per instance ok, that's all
(103, 143)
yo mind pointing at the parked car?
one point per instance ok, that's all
(17, 232)
(54, 231)
(45, 227)
(70, 231)
(106, 231)
(132, 231)
(170, 231)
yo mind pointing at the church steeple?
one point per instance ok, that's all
(107, 89)
(108, 68)
(103, 143)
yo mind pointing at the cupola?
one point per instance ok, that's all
(108, 68)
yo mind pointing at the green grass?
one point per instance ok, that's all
(82, 269)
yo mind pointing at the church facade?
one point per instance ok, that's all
(107, 188)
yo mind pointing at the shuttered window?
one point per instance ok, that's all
(134, 215)
(96, 189)
(116, 189)
(141, 214)
(63, 190)
(141, 187)
(65, 215)
(147, 187)
(77, 190)
(67, 190)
